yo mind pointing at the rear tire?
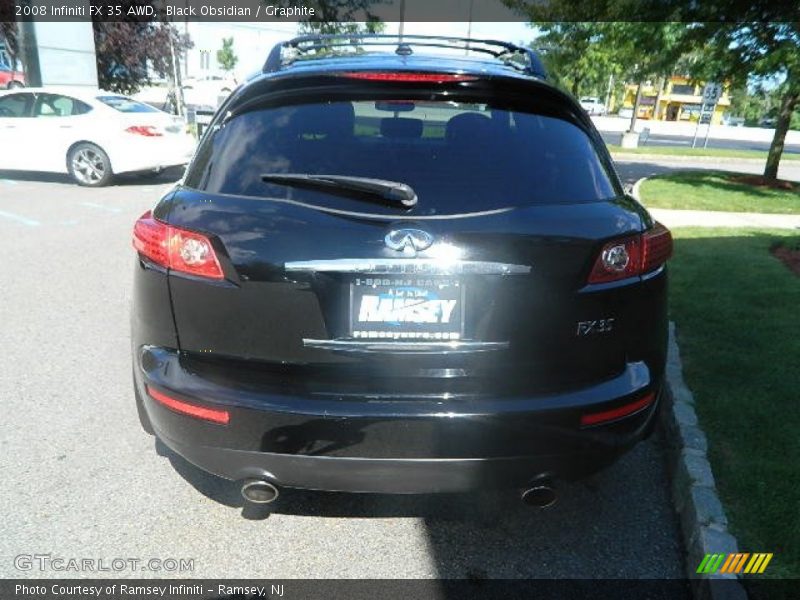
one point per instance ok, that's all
(12, 85)
(89, 165)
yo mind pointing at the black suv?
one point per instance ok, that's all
(392, 271)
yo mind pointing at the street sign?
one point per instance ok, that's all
(712, 93)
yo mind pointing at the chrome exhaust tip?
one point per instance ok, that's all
(258, 491)
(540, 495)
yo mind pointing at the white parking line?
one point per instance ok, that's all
(101, 207)
(19, 219)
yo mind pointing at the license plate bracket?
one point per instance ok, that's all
(394, 307)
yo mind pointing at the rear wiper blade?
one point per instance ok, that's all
(361, 188)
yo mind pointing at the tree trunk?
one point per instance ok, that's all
(781, 127)
(636, 106)
(576, 86)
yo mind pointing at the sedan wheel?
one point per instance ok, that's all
(89, 165)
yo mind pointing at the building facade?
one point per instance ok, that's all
(678, 98)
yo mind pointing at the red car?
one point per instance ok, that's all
(10, 78)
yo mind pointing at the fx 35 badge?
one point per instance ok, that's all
(596, 326)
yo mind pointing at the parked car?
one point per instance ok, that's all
(625, 113)
(399, 273)
(90, 134)
(731, 121)
(9, 78)
(207, 91)
(592, 105)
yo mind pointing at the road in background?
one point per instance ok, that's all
(80, 478)
(680, 134)
(676, 141)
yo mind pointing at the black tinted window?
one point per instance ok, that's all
(15, 105)
(126, 105)
(458, 157)
(56, 105)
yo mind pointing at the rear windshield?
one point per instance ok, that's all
(126, 105)
(459, 157)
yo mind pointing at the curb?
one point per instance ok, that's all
(635, 156)
(693, 490)
(636, 186)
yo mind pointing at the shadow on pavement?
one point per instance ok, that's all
(127, 179)
(618, 523)
(631, 171)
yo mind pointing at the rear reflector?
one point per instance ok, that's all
(144, 130)
(409, 77)
(632, 255)
(193, 410)
(176, 249)
(617, 413)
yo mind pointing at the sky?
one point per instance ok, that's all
(252, 41)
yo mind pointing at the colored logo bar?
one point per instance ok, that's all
(734, 563)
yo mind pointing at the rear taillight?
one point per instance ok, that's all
(409, 77)
(175, 248)
(632, 255)
(145, 130)
(657, 247)
(187, 408)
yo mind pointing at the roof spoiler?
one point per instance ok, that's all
(307, 47)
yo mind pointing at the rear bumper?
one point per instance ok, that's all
(391, 445)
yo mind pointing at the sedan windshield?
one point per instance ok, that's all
(126, 105)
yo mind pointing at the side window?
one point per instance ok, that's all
(15, 106)
(56, 105)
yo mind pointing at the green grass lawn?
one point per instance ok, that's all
(737, 312)
(714, 190)
(686, 151)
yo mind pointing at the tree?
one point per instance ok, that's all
(125, 50)
(734, 40)
(226, 57)
(587, 53)
(575, 57)
(334, 17)
(10, 37)
(645, 51)
(750, 50)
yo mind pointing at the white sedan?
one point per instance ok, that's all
(90, 134)
(593, 105)
(207, 92)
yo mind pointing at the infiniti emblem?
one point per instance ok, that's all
(408, 240)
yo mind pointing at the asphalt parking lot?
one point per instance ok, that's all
(81, 480)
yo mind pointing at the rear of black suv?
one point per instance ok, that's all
(399, 275)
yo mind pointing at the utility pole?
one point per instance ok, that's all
(176, 76)
(402, 19)
(608, 93)
(469, 25)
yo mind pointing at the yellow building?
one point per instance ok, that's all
(680, 99)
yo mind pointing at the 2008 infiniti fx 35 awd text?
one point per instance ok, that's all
(391, 271)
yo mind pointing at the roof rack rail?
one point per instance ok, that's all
(304, 47)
